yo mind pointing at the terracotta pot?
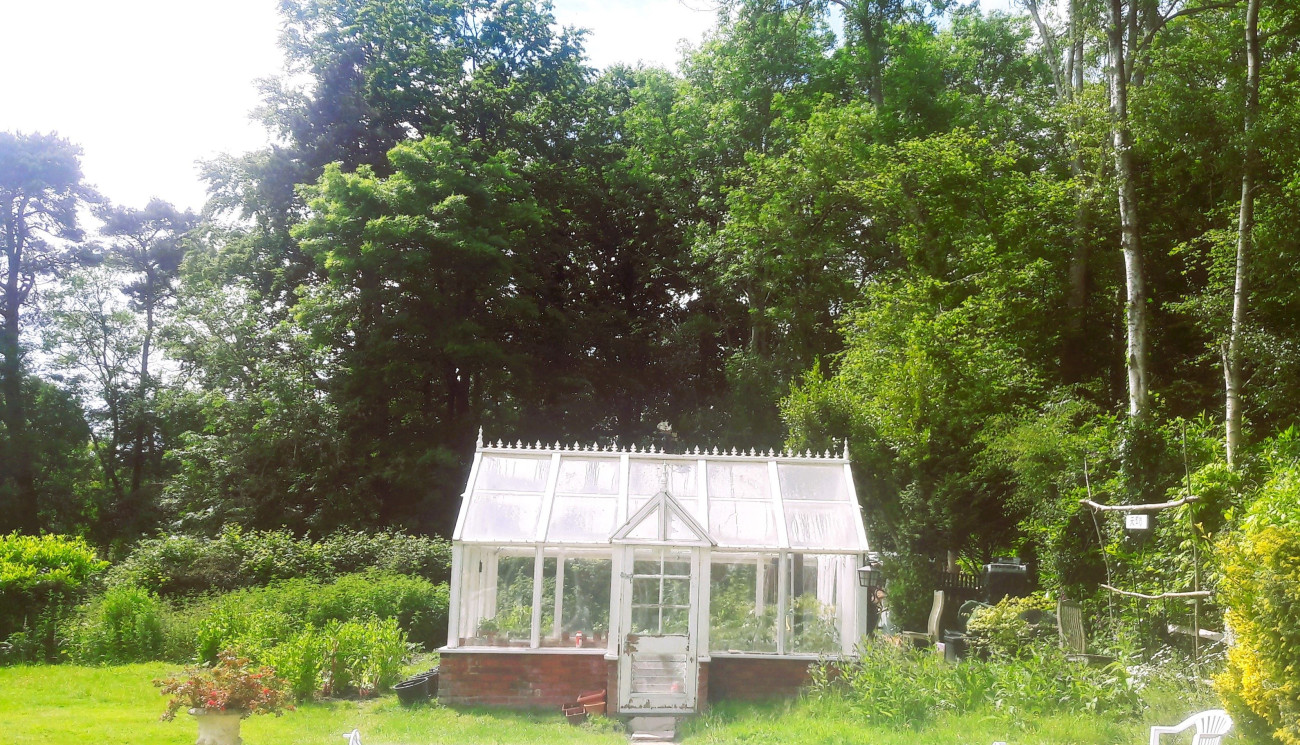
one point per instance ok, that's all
(217, 727)
(595, 709)
(591, 697)
(575, 714)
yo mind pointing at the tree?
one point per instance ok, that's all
(147, 247)
(1245, 225)
(40, 191)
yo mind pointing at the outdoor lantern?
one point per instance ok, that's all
(871, 575)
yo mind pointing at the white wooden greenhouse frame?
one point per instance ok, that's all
(670, 530)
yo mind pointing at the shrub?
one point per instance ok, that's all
(174, 566)
(909, 590)
(122, 625)
(896, 686)
(1261, 588)
(264, 617)
(364, 657)
(1012, 628)
(42, 579)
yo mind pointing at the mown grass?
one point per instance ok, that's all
(68, 704)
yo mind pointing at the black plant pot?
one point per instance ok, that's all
(431, 682)
(412, 691)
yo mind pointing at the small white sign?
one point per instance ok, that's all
(1137, 522)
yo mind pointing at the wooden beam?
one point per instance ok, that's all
(1137, 507)
(1161, 596)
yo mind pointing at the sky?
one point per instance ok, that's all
(148, 88)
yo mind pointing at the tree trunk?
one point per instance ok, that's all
(18, 460)
(1135, 311)
(1245, 224)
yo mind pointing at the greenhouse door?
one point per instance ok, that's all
(658, 644)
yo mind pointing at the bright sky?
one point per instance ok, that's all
(149, 87)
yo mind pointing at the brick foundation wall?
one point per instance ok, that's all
(520, 681)
(749, 679)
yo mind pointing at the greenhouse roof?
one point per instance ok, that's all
(576, 495)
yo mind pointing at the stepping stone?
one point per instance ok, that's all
(652, 729)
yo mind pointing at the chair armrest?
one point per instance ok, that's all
(1156, 732)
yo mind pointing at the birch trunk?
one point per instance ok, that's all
(1135, 311)
(1245, 224)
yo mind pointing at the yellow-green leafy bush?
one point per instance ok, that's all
(1261, 588)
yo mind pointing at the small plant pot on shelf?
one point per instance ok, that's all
(217, 727)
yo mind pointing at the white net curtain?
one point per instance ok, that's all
(786, 538)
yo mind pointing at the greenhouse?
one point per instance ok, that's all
(664, 578)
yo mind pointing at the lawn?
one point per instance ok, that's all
(66, 704)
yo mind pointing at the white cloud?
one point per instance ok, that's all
(634, 31)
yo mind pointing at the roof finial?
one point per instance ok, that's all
(846, 448)
(478, 444)
(663, 479)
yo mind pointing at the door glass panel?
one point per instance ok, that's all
(645, 620)
(659, 674)
(676, 620)
(676, 592)
(645, 591)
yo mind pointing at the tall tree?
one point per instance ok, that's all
(1245, 225)
(40, 191)
(146, 246)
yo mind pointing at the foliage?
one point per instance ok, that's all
(180, 565)
(123, 625)
(1261, 585)
(1012, 628)
(232, 685)
(41, 581)
(365, 657)
(909, 585)
(904, 687)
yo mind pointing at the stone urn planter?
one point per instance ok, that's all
(217, 727)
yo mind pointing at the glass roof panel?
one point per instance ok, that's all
(739, 481)
(648, 529)
(801, 482)
(500, 473)
(821, 526)
(736, 523)
(494, 516)
(582, 519)
(645, 478)
(587, 476)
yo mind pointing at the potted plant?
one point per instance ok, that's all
(487, 628)
(598, 632)
(218, 697)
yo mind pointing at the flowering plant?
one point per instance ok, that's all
(232, 685)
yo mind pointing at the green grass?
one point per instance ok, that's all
(67, 704)
(826, 722)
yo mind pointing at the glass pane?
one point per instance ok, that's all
(579, 476)
(586, 596)
(825, 482)
(676, 592)
(679, 531)
(514, 601)
(647, 561)
(582, 519)
(645, 478)
(648, 528)
(645, 620)
(742, 523)
(677, 563)
(818, 591)
(676, 620)
(549, 629)
(743, 603)
(738, 481)
(645, 590)
(821, 526)
(502, 517)
(497, 473)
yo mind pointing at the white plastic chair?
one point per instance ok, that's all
(354, 737)
(1210, 726)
